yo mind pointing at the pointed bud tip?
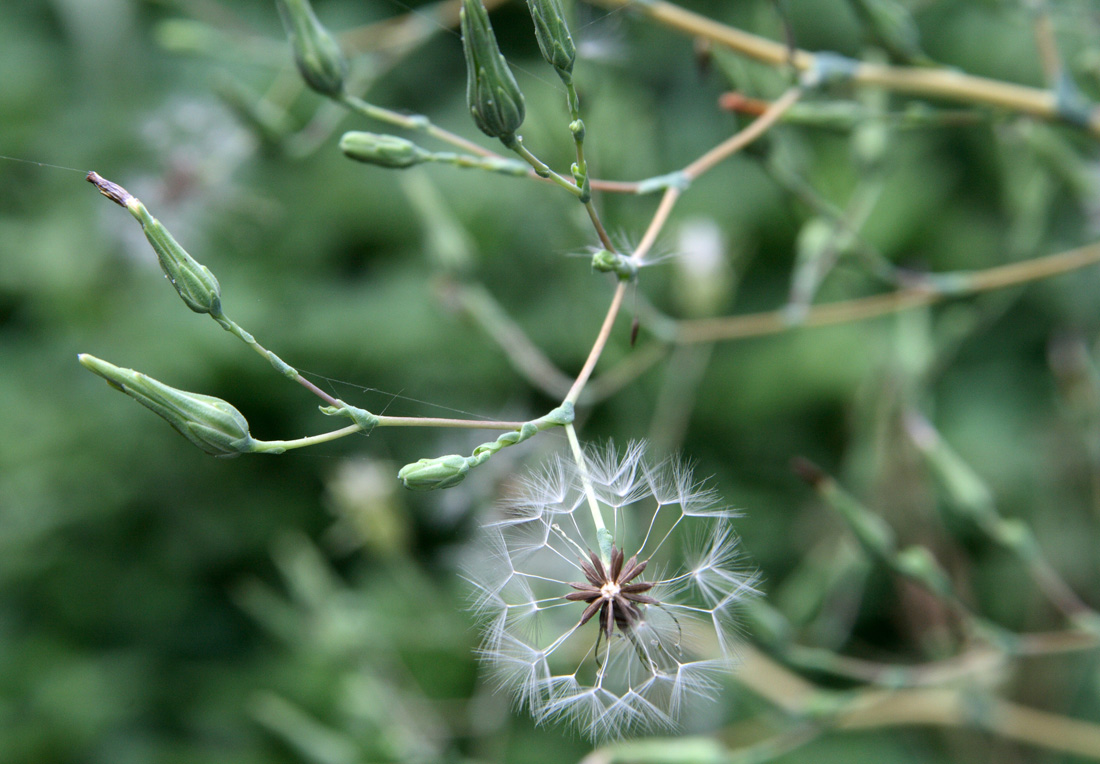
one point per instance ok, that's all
(808, 471)
(492, 94)
(112, 191)
(90, 362)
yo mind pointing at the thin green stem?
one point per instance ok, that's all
(594, 216)
(461, 424)
(384, 421)
(413, 122)
(542, 169)
(279, 364)
(263, 446)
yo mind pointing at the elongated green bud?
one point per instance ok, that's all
(383, 150)
(316, 52)
(492, 94)
(210, 423)
(194, 282)
(430, 474)
(555, 42)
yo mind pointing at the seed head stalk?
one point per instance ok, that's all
(603, 536)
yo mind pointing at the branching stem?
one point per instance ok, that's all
(921, 81)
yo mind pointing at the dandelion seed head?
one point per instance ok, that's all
(610, 643)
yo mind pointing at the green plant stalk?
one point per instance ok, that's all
(278, 446)
(489, 164)
(809, 275)
(384, 421)
(580, 169)
(541, 168)
(417, 122)
(576, 126)
(281, 366)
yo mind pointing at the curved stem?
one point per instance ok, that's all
(542, 169)
(263, 446)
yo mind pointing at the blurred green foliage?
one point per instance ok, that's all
(158, 605)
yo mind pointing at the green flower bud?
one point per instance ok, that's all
(555, 42)
(383, 150)
(492, 94)
(194, 282)
(210, 423)
(430, 474)
(316, 52)
(607, 261)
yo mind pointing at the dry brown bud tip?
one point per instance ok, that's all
(112, 191)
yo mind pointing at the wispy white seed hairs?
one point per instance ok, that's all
(613, 638)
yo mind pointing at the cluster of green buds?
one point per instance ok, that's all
(494, 98)
(316, 52)
(555, 42)
(606, 261)
(193, 281)
(210, 423)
